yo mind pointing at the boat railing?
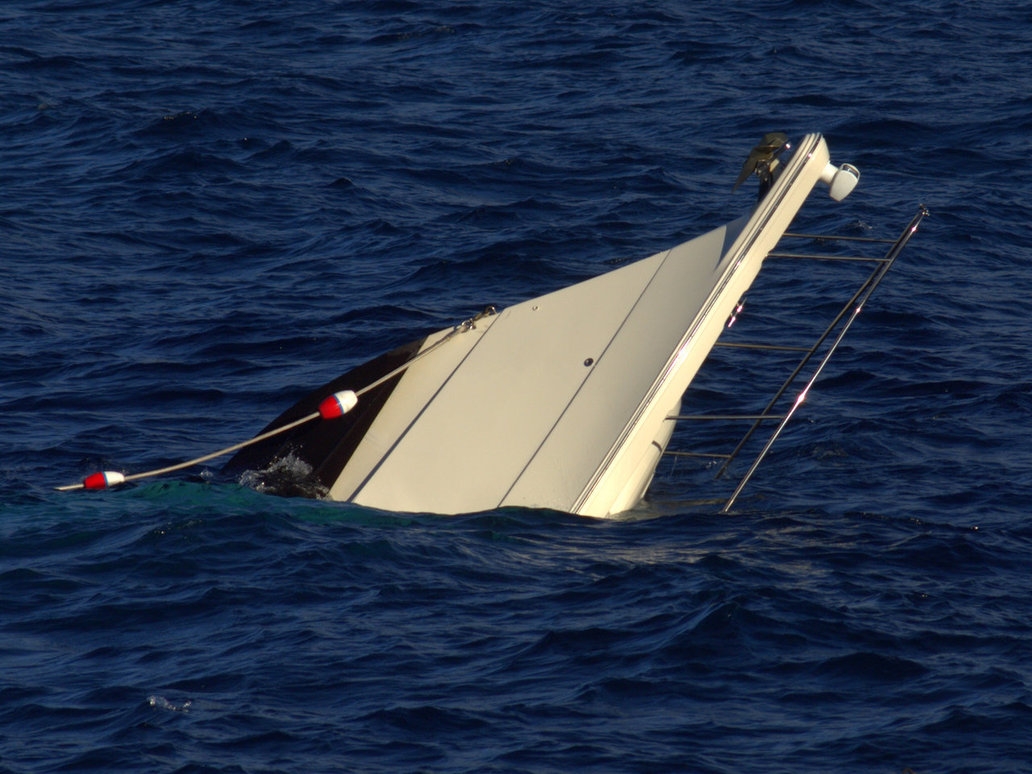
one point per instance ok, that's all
(804, 371)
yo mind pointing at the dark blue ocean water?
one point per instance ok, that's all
(209, 207)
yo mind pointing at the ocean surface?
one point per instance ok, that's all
(210, 207)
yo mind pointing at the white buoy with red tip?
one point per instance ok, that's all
(338, 404)
(103, 479)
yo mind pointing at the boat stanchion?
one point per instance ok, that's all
(841, 323)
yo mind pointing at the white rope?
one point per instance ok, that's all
(461, 328)
(206, 457)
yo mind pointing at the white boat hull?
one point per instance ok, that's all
(559, 402)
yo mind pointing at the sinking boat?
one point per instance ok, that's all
(564, 401)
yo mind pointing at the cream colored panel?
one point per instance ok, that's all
(487, 420)
(624, 374)
(418, 385)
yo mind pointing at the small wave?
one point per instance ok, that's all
(162, 703)
(289, 476)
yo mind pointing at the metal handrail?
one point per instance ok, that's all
(841, 323)
(859, 299)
